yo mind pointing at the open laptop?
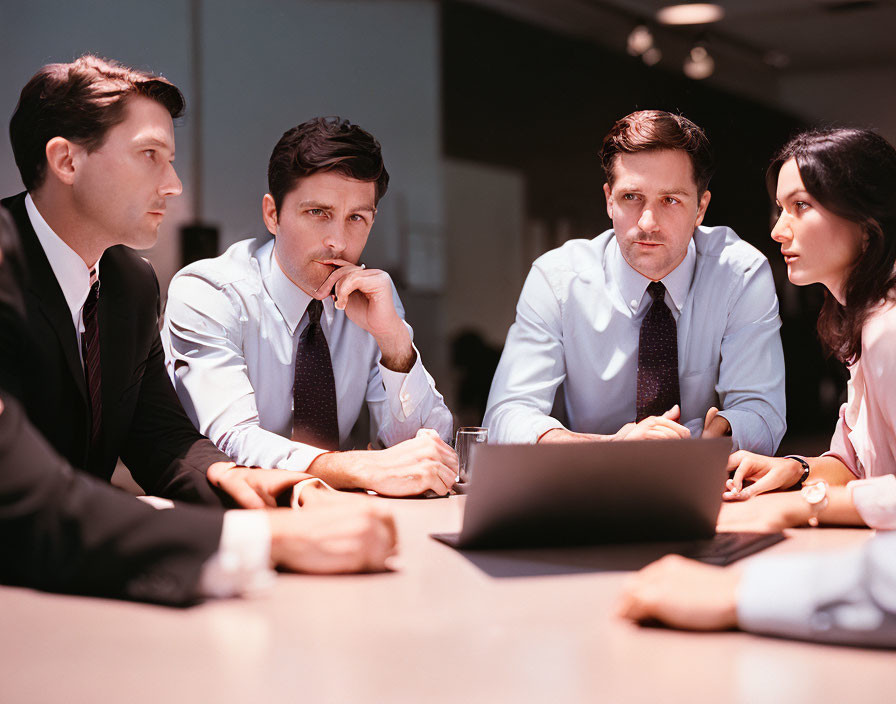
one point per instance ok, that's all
(526, 496)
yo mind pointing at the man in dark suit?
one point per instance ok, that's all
(94, 142)
(64, 530)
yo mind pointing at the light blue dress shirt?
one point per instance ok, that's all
(836, 597)
(231, 330)
(578, 322)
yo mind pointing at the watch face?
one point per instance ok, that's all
(815, 493)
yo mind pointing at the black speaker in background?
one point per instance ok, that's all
(198, 241)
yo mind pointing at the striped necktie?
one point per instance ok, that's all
(90, 351)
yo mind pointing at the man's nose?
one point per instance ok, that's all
(334, 238)
(171, 186)
(647, 223)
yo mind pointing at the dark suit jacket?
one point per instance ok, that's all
(143, 421)
(63, 530)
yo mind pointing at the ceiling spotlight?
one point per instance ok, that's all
(699, 64)
(640, 40)
(652, 56)
(691, 13)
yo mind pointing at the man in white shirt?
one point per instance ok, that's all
(275, 346)
(658, 328)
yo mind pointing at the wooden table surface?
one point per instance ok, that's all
(521, 626)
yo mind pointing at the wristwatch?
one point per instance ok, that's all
(805, 466)
(816, 495)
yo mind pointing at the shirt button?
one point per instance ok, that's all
(404, 396)
(634, 303)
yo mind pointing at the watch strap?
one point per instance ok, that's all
(805, 466)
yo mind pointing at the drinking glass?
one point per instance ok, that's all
(464, 441)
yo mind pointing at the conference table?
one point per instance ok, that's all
(447, 626)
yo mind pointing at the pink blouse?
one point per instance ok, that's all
(865, 436)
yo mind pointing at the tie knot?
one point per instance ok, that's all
(656, 290)
(315, 308)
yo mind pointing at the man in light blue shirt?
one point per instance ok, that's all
(583, 315)
(275, 346)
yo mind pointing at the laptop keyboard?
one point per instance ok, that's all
(726, 548)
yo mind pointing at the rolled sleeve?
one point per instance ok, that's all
(405, 390)
(400, 403)
(875, 500)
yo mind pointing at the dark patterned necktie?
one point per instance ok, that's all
(90, 350)
(314, 418)
(657, 357)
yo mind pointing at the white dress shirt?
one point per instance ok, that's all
(231, 332)
(242, 563)
(578, 323)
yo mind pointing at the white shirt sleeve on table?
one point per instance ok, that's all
(242, 564)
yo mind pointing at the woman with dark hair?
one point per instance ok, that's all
(836, 191)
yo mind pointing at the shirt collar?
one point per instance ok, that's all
(633, 285)
(70, 270)
(290, 300)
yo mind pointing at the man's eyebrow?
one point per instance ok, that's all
(315, 204)
(368, 208)
(153, 141)
(676, 192)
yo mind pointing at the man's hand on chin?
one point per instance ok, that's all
(366, 297)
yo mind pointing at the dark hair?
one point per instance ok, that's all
(325, 144)
(649, 130)
(80, 101)
(852, 173)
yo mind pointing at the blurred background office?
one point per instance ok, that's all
(490, 114)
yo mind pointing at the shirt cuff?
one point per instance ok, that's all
(405, 391)
(300, 457)
(741, 423)
(542, 426)
(774, 596)
(875, 500)
(242, 564)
